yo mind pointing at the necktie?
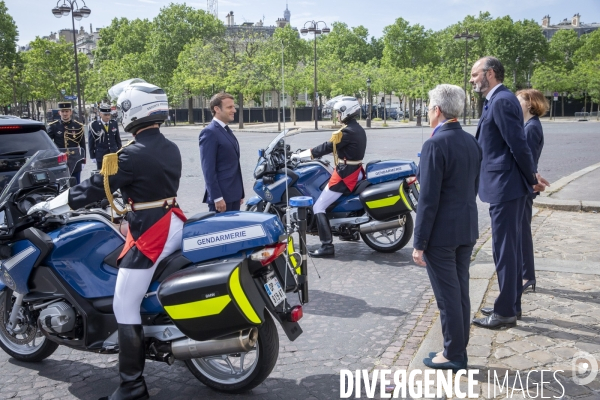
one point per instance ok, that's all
(485, 104)
(228, 129)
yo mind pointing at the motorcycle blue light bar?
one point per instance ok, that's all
(301, 201)
(260, 152)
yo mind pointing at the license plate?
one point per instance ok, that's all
(274, 290)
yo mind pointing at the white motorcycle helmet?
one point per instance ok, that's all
(139, 104)
(347, 107)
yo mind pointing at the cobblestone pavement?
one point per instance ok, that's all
(560, 319)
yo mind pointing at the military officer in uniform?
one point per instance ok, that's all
(103, 136)
(67, 133)
(348, 146)
(147, 171)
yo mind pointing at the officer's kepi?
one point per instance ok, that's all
(104, 109)
(64, 105)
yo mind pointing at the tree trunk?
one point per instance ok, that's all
(563, 105)
(190, 110)
(410, 109)
(263, 107)
(294, 110)
(551, 103)
(202, 105)
(241, 104)
(384, 110)
(278, 111)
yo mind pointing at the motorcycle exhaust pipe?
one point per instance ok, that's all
(376, 226)
(241, 342)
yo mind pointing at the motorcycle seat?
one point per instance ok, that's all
(169, 265)
(200, 217)
(360, 187)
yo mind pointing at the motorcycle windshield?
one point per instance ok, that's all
(43, 159)
(283, 134)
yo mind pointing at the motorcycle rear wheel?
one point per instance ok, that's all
(221, 374)
(34, 350)
(390, 240)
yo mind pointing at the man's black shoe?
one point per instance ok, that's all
(489, 310)
(495, 321)
(326, 250)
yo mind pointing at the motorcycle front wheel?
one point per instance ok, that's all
(390, 240)
(24, 342)
(240, 372)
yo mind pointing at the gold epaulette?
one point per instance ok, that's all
(110, 167)
(77, 122)
(336, 137)
(53, 122)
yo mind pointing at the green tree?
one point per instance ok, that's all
(175, 26)
(408, 45)
(8, 37)
(49, 67)
(563, 46)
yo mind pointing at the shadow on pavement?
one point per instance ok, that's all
(88, 381)
(342, 306)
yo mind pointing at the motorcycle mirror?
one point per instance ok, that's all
(261, 152)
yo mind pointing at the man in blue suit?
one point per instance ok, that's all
(507, 177)
(446, 228)
(220, 158)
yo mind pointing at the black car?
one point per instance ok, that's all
(19, 140)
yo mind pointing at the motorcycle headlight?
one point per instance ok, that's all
(260, 169)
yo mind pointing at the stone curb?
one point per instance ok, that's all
(545, 201)
(564, 181)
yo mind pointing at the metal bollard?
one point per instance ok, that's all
(302, 203)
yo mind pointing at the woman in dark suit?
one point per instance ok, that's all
(534, 105)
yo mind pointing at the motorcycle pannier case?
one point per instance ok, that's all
(212, 300)
(386, 200)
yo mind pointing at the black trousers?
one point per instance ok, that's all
(528, 262)
(233, 206)
(448, 270)
(507, 225)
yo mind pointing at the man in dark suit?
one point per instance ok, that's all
(446, 227)
(506, 179)
(220, 158)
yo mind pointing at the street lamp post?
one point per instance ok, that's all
(71, 6)
(466, 36)
(313, 27)
(370, 102)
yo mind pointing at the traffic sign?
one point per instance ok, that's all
(555, 96)
(71, 97)
(63, 91)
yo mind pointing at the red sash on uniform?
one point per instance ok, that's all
(152, 242)
(350, 181)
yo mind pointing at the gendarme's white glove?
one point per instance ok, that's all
(56, 206)
(305, 155)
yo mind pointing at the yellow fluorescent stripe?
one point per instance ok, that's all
(201, 308)
(390, 201)
(240, 297)
(290, 251)
(406, 203)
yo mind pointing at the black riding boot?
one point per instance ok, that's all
(326, 249)
(132, 356)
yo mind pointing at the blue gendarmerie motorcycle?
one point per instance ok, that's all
(379, 208)
(211, 304)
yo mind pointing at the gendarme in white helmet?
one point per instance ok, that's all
(139, 104)
(347, 107)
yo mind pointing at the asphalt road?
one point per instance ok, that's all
(569, 147)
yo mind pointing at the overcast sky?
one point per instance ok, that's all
(34, 17)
